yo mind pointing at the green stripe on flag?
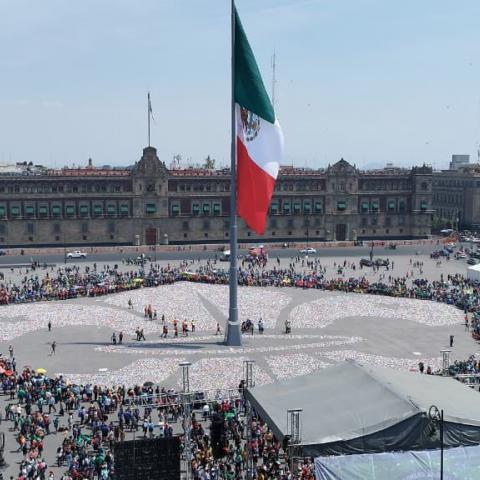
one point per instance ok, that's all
(249, 91)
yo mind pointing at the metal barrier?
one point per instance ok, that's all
(175, 398)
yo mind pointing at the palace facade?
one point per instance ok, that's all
(150, 204)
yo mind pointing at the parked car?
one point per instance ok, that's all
(365, 262)
(472, 261)
(382, 262)
(307, 251)
(391, 246)
(2, 253)
(76, 254)
(460, 255)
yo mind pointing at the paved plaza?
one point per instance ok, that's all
(327, 327)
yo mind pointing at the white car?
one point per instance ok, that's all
(76, 254)
(461, 255)
(307, 251)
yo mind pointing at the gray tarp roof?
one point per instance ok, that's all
(349, 401)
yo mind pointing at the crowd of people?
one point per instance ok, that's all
(69, 282)
(86, 422)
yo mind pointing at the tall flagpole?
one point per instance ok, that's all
(233, 336)
(148, 115)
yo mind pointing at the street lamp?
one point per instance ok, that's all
(436, 417)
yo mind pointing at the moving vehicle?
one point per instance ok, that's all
(382, 262)
(225, 256)
(460, 255)
(307, 251)
(76, 254)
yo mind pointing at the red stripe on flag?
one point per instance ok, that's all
(254, 190)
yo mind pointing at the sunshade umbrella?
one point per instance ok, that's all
(8, 373)
(41, 371)
(148, 384)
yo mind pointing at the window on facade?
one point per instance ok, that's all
(206, 208)
(374, 221)
(56, 211)
(196, 209)
(375, 206)
(401, 206)
(297, 207)
(15, 211)
(111, 210)
(364, 222)
(84, 227)
(185, 225)
(83, 210)
(29, 211)
(391, 205)
(43, 211)
(150, 209)
(2, 212)
(365, 206)
(307, 207)
(97, 210)
(341, 205)
(318, 207)
(388, 221)
(286, 207)
(423, 205)
(30, 228)
(124, 210)
(274, 207)
(216, 209)
(175, 209)
(69, 210)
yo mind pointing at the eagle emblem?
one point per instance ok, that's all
(251, 124)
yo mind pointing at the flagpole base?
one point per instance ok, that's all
(233, 337)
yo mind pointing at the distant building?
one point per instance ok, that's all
(149, 204)
(459, 161)
(456, 196)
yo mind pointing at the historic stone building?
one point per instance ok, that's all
(456, 196)
(149, 204)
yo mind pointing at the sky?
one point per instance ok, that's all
(372, 81)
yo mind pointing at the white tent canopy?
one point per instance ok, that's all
(473, 272)
(351, 408)
(460, 462)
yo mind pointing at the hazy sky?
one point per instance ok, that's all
(373, 81)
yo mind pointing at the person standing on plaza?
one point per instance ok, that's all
(451, 340)
(10, 350)
(120, 338)
(49, 326)
(219, 331)
(54, 346)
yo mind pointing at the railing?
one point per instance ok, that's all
(175, 398)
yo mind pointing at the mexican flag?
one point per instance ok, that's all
(259, 136)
